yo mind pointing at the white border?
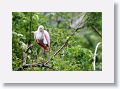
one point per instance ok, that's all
(104, 76)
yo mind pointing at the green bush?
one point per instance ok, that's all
(77, 55)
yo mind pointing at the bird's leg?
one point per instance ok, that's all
(43, 56)
(36, 57)
(48, 56)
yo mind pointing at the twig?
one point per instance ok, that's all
(36, 65)
(62, 46)
(95, 54)
(67, 41)
(96, 30)
(24, 58)
(29, 47)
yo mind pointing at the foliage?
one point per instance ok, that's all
(77, 55)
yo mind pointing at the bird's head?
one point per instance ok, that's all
(41, 32)
(41, 28)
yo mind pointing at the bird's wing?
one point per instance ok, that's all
(47, 39)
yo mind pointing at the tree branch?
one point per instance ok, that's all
(65, 43)
(96, 30)
(95, 54)
(80, 27)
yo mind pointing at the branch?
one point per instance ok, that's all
(36, 65)
(29, 47)
(62, 46)
(65, 43)
(78, 22)
(95, 54)
(96, 30)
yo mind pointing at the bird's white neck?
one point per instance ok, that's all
(39, 35)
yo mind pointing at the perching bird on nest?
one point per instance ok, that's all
(42, 38)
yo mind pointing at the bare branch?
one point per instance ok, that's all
(95, 54)
(96, 30)
(77, 23)
(36, 65)
(62, 46)
(29, 47)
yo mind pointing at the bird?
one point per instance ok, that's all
(42, 38)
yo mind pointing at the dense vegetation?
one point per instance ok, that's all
(77, 55)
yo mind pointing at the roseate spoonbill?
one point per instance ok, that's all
(42, 38)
